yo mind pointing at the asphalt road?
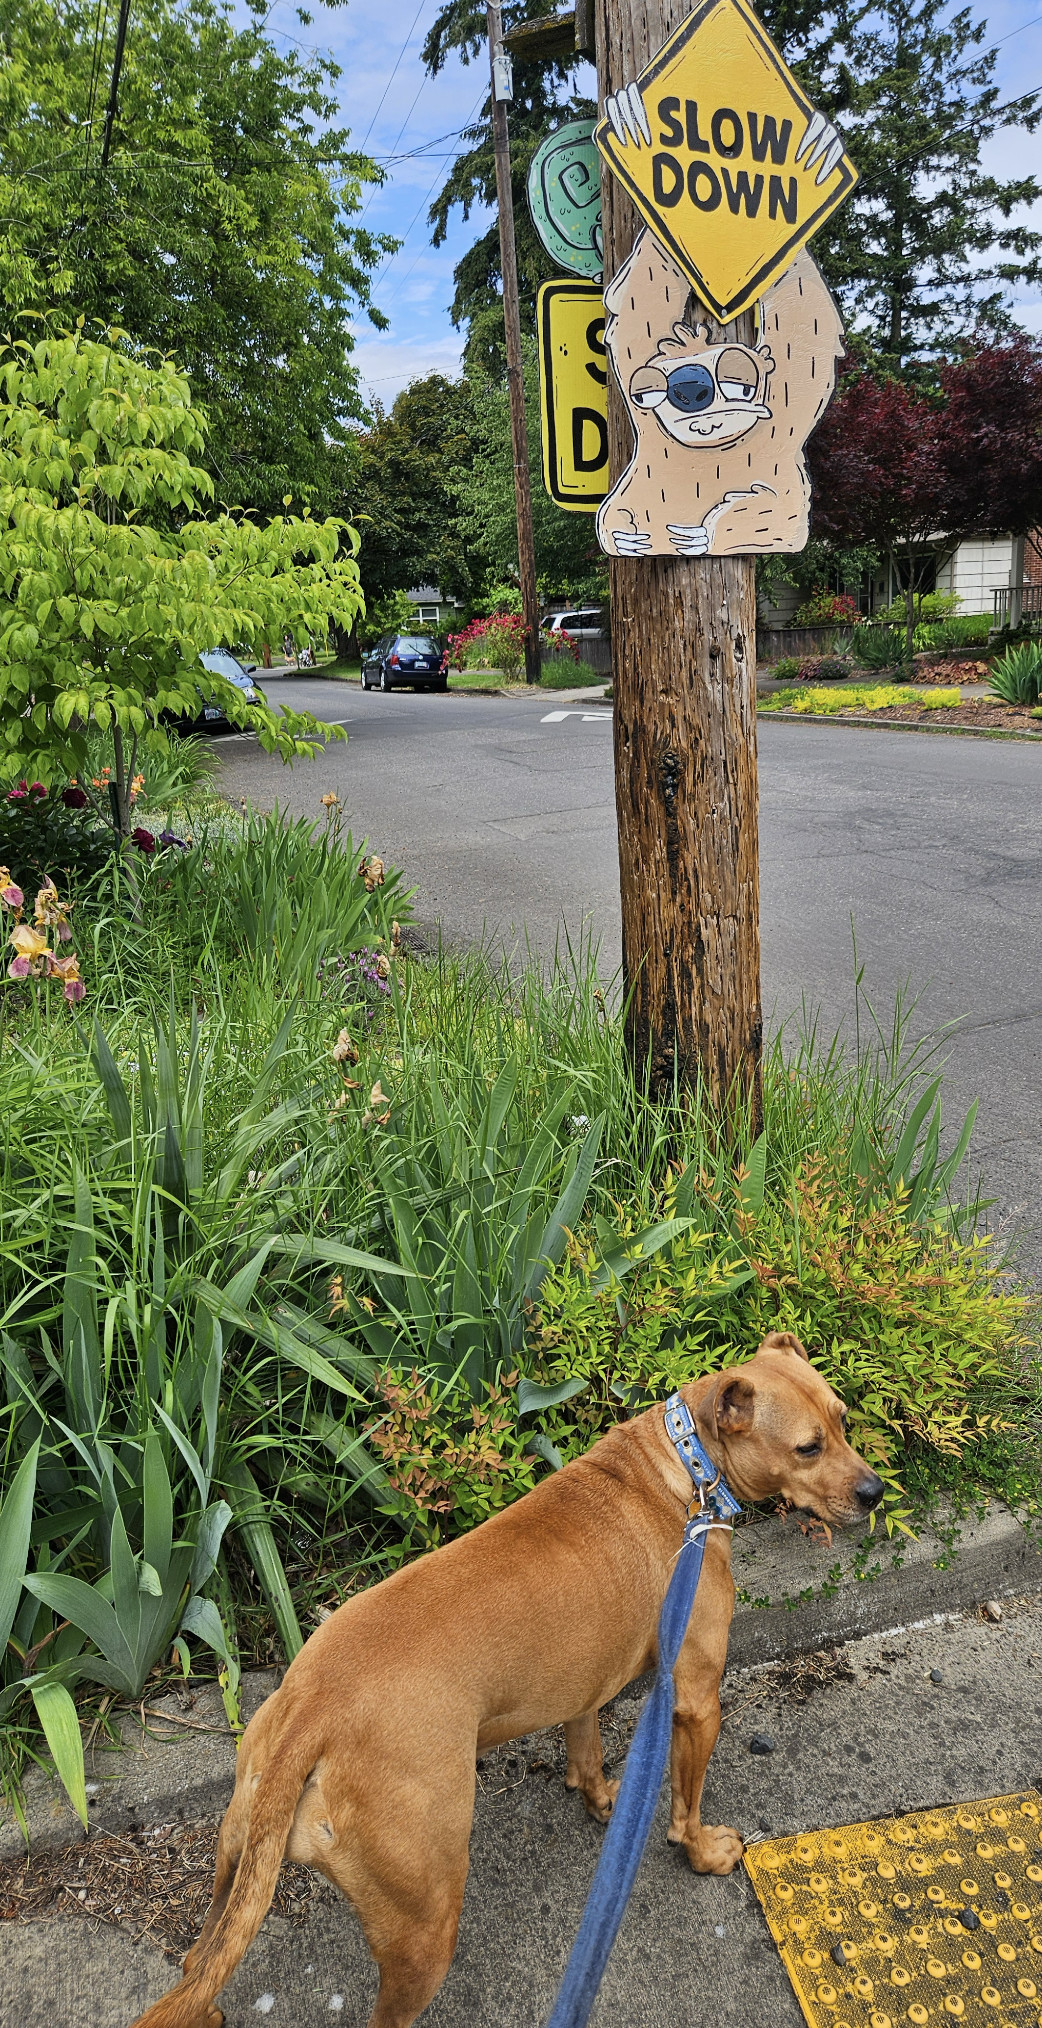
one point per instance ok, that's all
(501, 811)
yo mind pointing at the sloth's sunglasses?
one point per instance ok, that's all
(692, 387)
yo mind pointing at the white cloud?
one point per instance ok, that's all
(388, 364)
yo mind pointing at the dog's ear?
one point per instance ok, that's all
(727, 1410)
(783, 1341)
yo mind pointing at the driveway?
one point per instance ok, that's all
(501, 811)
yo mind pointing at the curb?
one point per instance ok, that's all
(899, 725)
(177, 1760)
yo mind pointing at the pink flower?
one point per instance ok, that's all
(17, 795)
(12, 896)
(75, 990)
(144, 840)
(37, 789)
(19, 968)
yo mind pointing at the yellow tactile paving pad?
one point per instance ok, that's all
(930, 1918)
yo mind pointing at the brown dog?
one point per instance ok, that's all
(363, 1763)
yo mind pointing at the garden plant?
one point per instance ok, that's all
(313, 1253)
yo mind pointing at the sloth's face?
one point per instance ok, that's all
(708, 401)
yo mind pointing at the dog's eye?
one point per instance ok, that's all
(812, 1450)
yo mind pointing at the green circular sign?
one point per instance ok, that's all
(564, 194)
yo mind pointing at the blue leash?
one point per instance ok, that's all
(637, 1800)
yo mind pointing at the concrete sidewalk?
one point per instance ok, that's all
(909, 1720)
(860, 1732)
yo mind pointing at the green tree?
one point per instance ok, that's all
(566, 553)
(927, 249)
(103, 613)
(407, 491)
(220, 230)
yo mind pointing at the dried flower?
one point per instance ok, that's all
(396, 936)
(330, 801)
(378, 1100)
(10, 893)
(383, 968)
(344, 1050)
(372, 872)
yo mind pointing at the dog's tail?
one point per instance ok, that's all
(292, 1755)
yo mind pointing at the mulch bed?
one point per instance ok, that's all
(984, 714)
(155, 1883)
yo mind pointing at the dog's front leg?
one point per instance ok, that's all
(585, 1770)
(711, 1848)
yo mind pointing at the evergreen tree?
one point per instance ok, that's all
(927, 249)
(541, 100)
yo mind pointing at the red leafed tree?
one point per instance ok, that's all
(993, 438)
(893, 465)
(879, 473)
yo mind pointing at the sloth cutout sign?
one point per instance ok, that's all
(732, 170)
(718, 466)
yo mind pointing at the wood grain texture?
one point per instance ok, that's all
(684, 675)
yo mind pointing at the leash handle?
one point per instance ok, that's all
(630, 1822)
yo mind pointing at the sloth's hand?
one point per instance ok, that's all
(688, 541)
(822, 144)
(628, 117)
(631, 541)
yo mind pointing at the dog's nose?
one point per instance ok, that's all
(869, 1491)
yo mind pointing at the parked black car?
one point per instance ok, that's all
(404, 658)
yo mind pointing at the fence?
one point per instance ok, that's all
(596, 652)
(774, 642)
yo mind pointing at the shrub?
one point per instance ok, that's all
(929, 606)
(823, 669)
(826, 607)
(786, 669)
(52, 834)
(880, 697)
(905, 1324)
(877, 647)
(1016, 676)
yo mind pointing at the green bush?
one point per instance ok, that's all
(877, 647)
(1016, 676)
(929, 607)
(786, 669)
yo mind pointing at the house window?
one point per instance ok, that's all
(429, 614)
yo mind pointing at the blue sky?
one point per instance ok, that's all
(390, 104)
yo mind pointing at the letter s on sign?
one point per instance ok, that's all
(667, 111)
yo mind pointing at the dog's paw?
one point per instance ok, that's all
(688, 541)
(599, 1797)
(713, 1848)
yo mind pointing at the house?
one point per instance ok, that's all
(1000, 575)
(434, 608)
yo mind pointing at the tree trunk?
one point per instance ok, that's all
(684, 675)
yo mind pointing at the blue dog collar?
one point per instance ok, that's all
(709, 1483)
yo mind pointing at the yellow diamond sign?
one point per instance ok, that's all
(724, 156)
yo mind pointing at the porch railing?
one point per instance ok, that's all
(1018, 605)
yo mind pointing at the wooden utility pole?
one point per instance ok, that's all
(499, 64)
(684, 674)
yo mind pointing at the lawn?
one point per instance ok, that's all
(314, 1253)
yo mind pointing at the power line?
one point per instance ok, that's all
(423, 201)
(394, 73)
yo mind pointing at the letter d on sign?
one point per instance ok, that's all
(598, 456)
(661, 167)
